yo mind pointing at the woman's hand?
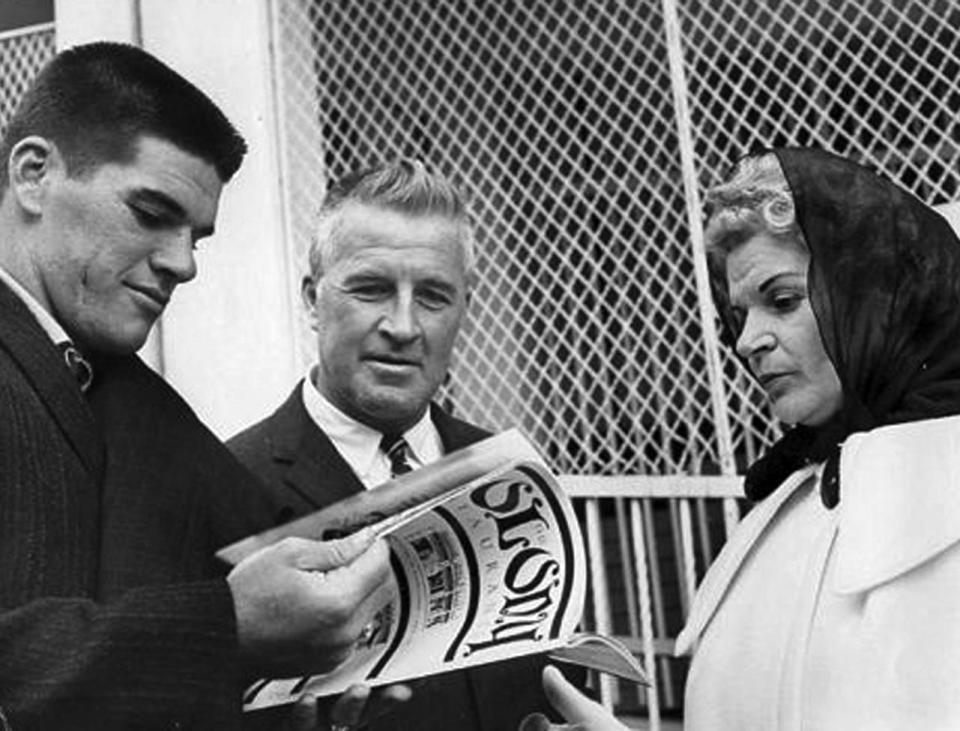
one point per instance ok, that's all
(358, 705)
(581, 713)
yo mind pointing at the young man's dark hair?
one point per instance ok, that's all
(95, 102)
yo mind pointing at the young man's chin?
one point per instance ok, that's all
(125, 342)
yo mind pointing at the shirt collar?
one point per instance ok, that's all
(49, 324)
(359, 444)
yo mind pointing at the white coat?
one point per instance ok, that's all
(846, 619)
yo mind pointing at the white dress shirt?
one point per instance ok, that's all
(359, 444)
(50, 326)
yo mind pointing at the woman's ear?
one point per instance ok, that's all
(32, 160)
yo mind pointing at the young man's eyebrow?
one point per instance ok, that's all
(170, 205)
(158, 198)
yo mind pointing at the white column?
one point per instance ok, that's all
(84, 21)
(951, 212)
(228, 337)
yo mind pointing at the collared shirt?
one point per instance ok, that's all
(359, 444)
(50, 326)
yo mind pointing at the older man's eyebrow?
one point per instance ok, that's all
(443, 285)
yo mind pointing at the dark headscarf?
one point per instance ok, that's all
(884, 285)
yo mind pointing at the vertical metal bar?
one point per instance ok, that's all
(679, 550)
(656, 582)
(688, 575)
(731, 515)
(646, 621)
(623, 536)
(678, 84)
(703, 531)
(600, 589)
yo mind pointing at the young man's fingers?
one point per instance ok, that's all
(330, 555)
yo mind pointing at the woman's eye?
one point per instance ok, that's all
(786, 302)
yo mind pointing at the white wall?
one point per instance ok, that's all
(83, 21)
(227, 339)
(951, 212)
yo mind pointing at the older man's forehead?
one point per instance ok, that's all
(371, 232)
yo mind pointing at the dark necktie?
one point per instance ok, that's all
(78, 365)
(395, 447)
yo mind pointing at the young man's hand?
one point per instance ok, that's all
(301, 605)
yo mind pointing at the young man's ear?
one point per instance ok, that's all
(31, 161)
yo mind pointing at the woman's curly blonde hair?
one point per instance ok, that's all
(756, 199)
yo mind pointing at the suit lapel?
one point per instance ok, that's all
(311, 464)
(314, 468)
(454, 434)
(30, 347)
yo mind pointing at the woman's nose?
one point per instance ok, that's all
(754, 338)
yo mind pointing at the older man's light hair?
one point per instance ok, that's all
(405, 186)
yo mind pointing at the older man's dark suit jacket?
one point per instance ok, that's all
(303, 472)
(114, 615)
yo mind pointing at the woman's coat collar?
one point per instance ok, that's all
(899, 507)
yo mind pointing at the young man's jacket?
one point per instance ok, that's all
(113, 612)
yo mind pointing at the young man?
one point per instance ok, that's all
(113, 496)
(386, 295)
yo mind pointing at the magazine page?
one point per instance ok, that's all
(494, 571)
(603, 653)
(451, 472)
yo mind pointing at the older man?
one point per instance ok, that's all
(113, 496)
(386, 294)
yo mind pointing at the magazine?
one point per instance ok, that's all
(489, 564)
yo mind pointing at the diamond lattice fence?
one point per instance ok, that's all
(557, 121)
(22, 55)
(875, 80)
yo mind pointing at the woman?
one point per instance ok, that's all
(836, 603)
